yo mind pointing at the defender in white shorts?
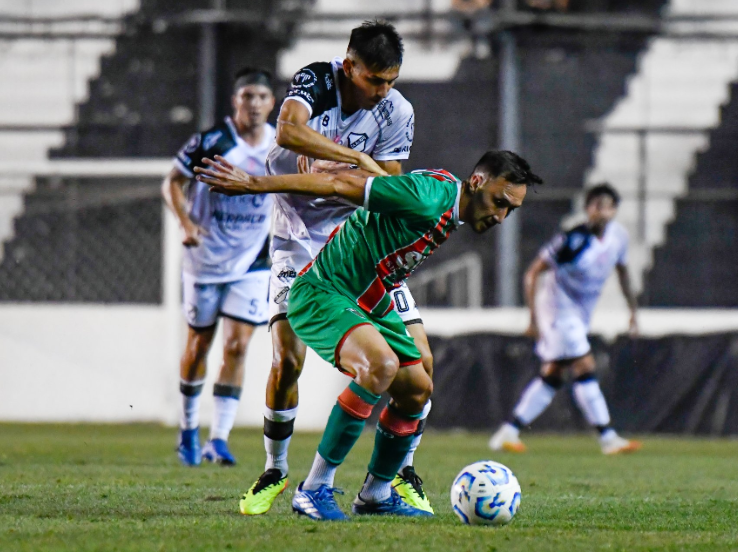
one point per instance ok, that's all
(343, 111)
(574, 266)
(225, 270)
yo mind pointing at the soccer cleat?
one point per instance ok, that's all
(319, 504)
(262, 494)
(410, 488)
(507, 438)
(393, 506)
(216, 451)
(188, 447)
(614, 444)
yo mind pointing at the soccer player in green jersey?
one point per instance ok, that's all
(341, 305)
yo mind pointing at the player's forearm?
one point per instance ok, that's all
(174, 198)
(530, 284)
(304, 140)
(624, 278)
(343, 184)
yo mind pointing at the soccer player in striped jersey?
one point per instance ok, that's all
(574, 266)
(225, 269)
(342, 305)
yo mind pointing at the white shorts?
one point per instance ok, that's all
(563, 338)
(286, 265)
(244, 300)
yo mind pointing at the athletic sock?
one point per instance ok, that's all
(225, 406)
(278, 428)
(345, 424)
(322, 472)
(417, 436)
(190, 415)
(535, 399)
(395, 433)
(591, 401)
(375, 489)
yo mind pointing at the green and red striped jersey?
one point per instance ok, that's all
(404, 219)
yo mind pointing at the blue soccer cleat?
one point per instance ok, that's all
(319, 504)
(188, 448)
(216, 451)
(393, 506)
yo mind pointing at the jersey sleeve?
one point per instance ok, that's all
(623, 253)
(398, 130)
(410, 196)
(190, 155)
(550, 251)
(314, 87)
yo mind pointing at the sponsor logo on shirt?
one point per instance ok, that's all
(357, 141)
(211, 139)
(403, 149)
(328, 81)
(287, 273)
(385, 109)
(410, 128)
(303, 94)
(191, 146)
(305, 78)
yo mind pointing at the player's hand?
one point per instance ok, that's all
(323, 166)
(303, 164)
(532, 330)
(633, 330)
(224, 178)
(369, 164)
(192, 233)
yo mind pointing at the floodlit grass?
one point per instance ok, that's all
(106, 488)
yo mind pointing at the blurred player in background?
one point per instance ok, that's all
(342, 111)
(575, 266)
(225, 271)
(342, 304)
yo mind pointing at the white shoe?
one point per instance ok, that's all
(612, 443)
(507, 438)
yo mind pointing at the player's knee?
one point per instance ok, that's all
(418, 394)
(426, 357)
(382, 370)
(235, 347)
(286, 369)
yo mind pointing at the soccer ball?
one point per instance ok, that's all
(485, 493)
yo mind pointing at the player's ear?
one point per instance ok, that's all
(476, 182)
(348, 65)
(234, 101)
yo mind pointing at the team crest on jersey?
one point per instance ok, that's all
(305, 78)
(357, 141)
(192, 144)
(211, 139)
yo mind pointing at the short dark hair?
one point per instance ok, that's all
(508, 165)
(378, 45)
(600, 190)
(249, 75)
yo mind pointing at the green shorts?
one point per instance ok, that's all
(322, 317)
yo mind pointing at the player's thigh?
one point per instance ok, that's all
(365, 354)
(583, 365)
(288, 259)
(245, 300)
(200, 302)
(564, 339)
(417, 332)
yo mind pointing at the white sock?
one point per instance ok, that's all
(224, 416)
(534, 400)
(321, 473)
(190, 415)
(278, 443)
(409, 458)
(591, 402)
(375, 490)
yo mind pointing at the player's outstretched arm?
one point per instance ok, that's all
(294, 134)
(624, 279)
(530, 285)
(226, 179)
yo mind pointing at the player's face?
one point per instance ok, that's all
(252, 105)
(600, 211)
(493, 201)
(370, 86)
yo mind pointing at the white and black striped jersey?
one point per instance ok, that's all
(238, 226)
(580, 265)
(385, 133)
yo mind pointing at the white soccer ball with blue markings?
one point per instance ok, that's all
(485, 493)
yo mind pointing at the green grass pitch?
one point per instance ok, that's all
(107, 488)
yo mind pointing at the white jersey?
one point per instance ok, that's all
(580, 264)
(385, 133)
(237, 226)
